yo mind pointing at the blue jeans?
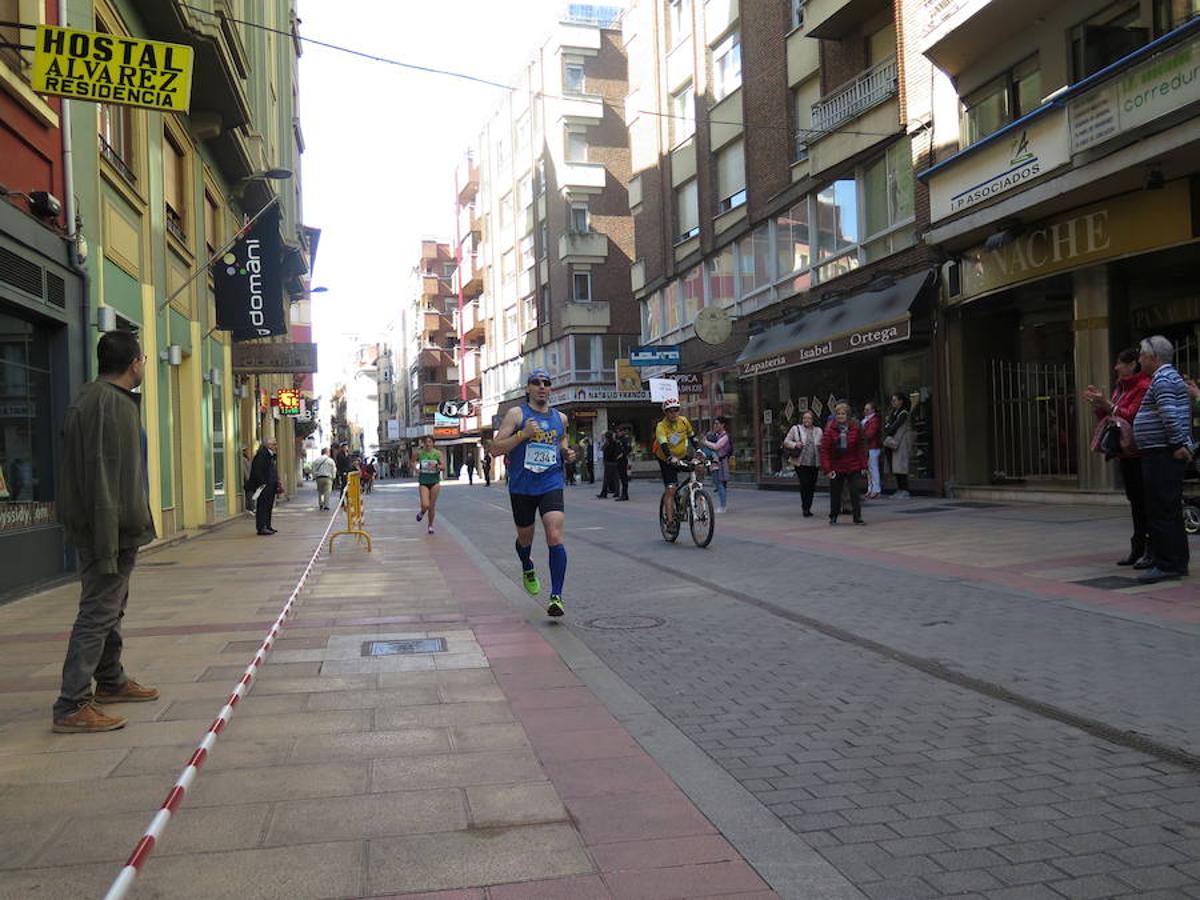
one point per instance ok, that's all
(722, 492)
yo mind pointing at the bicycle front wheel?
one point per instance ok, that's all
(704, 523)
(669, 532)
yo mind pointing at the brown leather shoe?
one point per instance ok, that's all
(87, 719)
(130, 692)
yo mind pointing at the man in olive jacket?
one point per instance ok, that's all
(104, 507)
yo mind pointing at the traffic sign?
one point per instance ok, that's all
(666, 355)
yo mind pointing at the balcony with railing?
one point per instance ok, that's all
(470, 275)
(862, 93)
(582, 177)
(466, 176)
(474, 326)
(582, 109)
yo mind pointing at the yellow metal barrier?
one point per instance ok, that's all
(352, 502)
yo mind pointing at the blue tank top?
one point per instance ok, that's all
(535, 466)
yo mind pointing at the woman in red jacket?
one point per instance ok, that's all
(844, 459)
(1131, 387)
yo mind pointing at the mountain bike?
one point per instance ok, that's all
(693, 504)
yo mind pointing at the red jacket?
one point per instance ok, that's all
(834, 458)
(1127, 396)
(873, 432)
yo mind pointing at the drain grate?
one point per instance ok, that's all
(1109, 582)
(405, 647)
(624, 623)
(924, 509)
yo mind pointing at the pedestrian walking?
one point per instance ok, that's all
(722, 445)
(534, 436)
(802, 444)
(844, 460)
(624, 452)
(470, 468)
(1114, 438)
(897, 440)
(609, 452)
(264, 484)
(344, 466)
(104, 508)
(429, 480)
(324, 471)
(570, 468)
(872, 427)
(1162, 430)
(487, 467)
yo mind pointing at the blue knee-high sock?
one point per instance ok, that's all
(558, 568)
(525, 554)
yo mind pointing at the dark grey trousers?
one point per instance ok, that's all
(94, 651)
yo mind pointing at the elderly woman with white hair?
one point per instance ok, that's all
(1162, 430)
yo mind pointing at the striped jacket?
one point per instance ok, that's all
(1165, 416)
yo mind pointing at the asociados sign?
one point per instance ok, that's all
(1009, 161)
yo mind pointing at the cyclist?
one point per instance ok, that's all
(429, 477)
(673, 438)
(535, 438)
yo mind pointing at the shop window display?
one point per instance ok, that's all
(26, 451)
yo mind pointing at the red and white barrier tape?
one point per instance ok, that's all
(124, 881)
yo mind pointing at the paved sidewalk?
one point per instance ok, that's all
(488, 770)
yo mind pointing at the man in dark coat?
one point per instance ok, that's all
(104, 508)
(264, 474)
(625, 448)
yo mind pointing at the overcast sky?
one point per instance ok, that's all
(383, 141)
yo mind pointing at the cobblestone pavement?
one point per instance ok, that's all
(795, 660)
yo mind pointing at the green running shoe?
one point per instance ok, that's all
(532, 585)
(555, 606)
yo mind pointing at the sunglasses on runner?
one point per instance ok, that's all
(540, 382)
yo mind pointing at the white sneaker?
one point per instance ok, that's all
(722, 510)
(903, 495)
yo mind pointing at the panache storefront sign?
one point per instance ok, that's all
(1004, 163)
(1132, 223)
(1165, 82)
(862, 339)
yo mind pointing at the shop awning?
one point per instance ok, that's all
(861, 322)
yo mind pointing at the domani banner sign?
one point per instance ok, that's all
(862, 339)
(249, 283)
(111, 68)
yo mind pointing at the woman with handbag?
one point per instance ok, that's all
(802, 446)
(844, 459)
(1114, 438)
(897, 440)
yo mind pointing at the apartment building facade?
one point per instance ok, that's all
(1065, 205)
(781, 254)
(545, 237)
(152, 196)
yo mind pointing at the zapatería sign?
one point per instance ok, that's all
(110, 68)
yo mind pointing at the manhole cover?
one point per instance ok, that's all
(394, 648)
(624, 623)
(1109, 582)
(924, 509)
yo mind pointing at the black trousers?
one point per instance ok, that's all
(1162, 481)
(591, 470)
(609, 485)
(264, 508)
(1135, 493)
(852, 483)
(808, 485)
(623, 478)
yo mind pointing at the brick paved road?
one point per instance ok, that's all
(911, 785)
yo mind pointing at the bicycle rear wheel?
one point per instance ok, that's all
(704, 523)
(669, 532)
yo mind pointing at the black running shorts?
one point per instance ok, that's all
(527, 507)
(670, 473)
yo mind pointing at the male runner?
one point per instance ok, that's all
(673, 437)
(535, 438)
